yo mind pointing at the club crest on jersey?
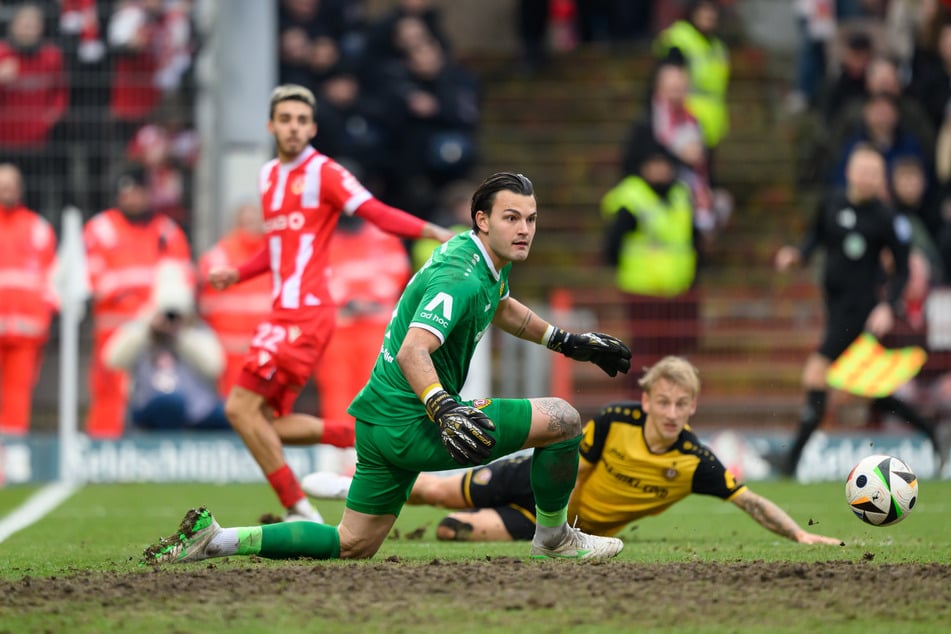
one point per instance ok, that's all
(670, 473)
(501, 289)
(481, 403)
(482, 476)
(297, 185)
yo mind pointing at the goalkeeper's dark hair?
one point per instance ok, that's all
(484, 196)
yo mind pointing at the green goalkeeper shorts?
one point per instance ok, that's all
(390, 458)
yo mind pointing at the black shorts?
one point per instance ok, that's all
(505, 486)
(845, 321)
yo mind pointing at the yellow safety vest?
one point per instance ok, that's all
(709, 68)
(658, 258)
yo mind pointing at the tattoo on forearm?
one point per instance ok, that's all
(769, 515)
(563, 419)
(524, 325)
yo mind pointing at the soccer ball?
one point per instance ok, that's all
(881, 490)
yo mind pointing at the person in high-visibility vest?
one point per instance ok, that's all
(124, 246)
(368, 271)
(27, 300)
(235, 312)
(651, 239)
(693, 40)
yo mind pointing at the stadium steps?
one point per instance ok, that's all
(565, 128)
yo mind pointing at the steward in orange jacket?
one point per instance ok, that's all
(368, 271)
(234, 313)
(27, 300)
(123, 248)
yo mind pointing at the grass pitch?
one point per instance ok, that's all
(702, 566)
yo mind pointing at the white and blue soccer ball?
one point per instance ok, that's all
(881, 490)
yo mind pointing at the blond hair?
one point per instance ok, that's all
(292, 92)
(677, 370)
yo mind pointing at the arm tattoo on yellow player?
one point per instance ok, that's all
(524, 324)
(767, 514)
(563, 419)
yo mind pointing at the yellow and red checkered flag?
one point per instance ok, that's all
(867, 368)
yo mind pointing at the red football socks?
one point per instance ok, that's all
(339, 433)
(285, 484)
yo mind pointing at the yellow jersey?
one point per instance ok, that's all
(629, 482)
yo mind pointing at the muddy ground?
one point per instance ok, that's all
(392, 595)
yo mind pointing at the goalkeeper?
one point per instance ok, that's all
(409, 416)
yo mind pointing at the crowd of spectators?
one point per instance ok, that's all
(394, 105)
(879, 73)
(87, 85)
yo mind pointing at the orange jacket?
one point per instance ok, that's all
(27, 255)
(368, 270)
(236, 312)
(121, 259)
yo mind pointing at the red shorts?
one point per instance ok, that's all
(284, 354)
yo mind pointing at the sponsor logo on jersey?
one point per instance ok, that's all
(636, 483)
(293, 221)
(481, 403)
(293, 333)
(443, 300)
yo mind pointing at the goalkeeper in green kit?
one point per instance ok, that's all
(410, 418)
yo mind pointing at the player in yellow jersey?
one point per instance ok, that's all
(637, 459)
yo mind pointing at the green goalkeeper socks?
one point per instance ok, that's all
(288, 540)
(554, 469)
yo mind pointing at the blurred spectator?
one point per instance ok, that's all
(651, 240)
(438, 104)
(925, 267)
(882, 78)
(27, 301)
(316, 34)
(172, 359)
(168, 151)
(669, 124)
(881, 129)
(816, 20)
(33, 101)
(931, 75)
(533, 33)
(453, 211)
(354, 126)
(151, 42)
(387, 36)
(906, 24)
(368, 270)
(235, 312)
(849, 83)
(124, 245)
(693, 41)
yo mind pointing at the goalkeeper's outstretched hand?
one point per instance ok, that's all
(462, 429)
(608, 353)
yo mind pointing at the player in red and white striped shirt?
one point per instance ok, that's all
(303, 194)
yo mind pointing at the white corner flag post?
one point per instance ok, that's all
(72, 288)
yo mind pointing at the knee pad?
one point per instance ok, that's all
(454, 530)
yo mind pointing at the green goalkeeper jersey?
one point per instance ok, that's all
(454, 296)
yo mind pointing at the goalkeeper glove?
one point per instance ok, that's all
(462, 429)
(607, 352)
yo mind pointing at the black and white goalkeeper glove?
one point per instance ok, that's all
(607, 352)
(462, 429)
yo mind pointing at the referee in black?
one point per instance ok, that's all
(854, 227)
